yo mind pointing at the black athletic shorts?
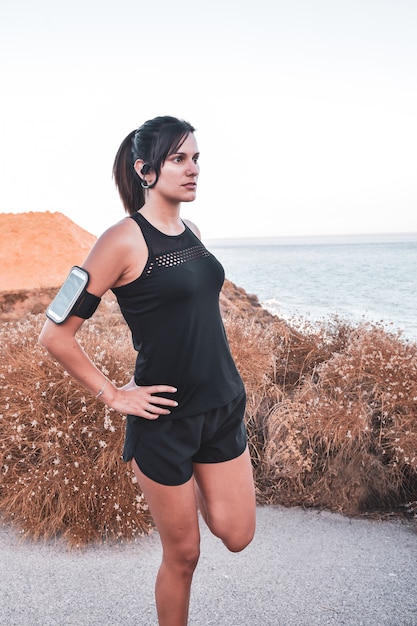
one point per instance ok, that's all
(165, 450)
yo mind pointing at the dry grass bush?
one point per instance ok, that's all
(61, 471)
(346, 437)
(331, 416)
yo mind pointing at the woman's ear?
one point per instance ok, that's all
(142, 169)
(138, 164)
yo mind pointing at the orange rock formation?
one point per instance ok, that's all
(38, 249)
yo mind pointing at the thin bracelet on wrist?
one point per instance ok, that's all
(100, 393)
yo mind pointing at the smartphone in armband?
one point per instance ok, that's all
(65, 300)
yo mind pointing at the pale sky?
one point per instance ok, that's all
(306, 110)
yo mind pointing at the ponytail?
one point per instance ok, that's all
(126, 179)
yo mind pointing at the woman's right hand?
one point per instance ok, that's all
(138, 400)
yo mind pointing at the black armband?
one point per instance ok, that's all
(73, 298)
(85, 305)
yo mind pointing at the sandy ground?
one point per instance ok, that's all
(303, 568)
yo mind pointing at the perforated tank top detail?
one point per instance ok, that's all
(169, 259)
(172, 310)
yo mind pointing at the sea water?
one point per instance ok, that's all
(361, 278)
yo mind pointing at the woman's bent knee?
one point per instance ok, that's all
(234, 538)
(237, 543)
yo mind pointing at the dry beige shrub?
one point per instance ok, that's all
(61, 471)
(300, 347)
(347, 438)
(380, 370)
(331, 417)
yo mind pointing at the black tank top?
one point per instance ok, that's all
(172, 310)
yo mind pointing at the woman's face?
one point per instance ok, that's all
(177, 180)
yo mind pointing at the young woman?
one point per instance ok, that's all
(185, 434)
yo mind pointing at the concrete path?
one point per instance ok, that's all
(304, 568)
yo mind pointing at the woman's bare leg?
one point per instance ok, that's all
(174, 510)
(226, 496)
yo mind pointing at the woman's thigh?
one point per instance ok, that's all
(227, 498)
(174, 511)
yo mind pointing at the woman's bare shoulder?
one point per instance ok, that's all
(117, 253)
(121, 235)
(124, 227)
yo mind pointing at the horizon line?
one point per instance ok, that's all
(265, 239)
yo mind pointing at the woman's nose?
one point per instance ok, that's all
(193, 169)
